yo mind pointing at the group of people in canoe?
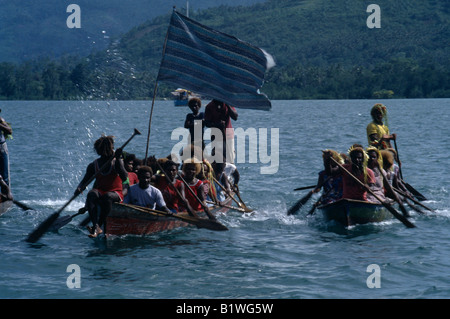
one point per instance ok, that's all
(161, 183)
(376, 166)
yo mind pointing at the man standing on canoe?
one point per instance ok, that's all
(219, 115)
(108, 183)
(378, 131)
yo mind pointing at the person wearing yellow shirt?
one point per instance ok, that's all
(378, 134)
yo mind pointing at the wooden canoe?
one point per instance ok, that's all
(350, 212)
(124, 220)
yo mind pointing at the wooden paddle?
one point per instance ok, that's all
(205, 208)
(227, 206)
(232, 197)
(413, 200)
(63, 221)
(294, 209)
(46, 224)
(319, 201)
(412, 190)
(417, 209)
(396, 198)
(199, 222)
(188, 208)
(21, 205)
(391, 209)
(238, 193)
(304, 187)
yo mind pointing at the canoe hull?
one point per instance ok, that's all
(123, 220)
(352, 212)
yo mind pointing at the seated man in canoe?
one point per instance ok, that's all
(358, 168)
(330, 178)
(172, 189)
(375, 163)
(195, 190)
(145, 195)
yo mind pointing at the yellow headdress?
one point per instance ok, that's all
(195, 162)
(379, 157)
(335, 155)
(353, 149)
(388, 159)
(382, 108)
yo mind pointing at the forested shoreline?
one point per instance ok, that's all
(60, 80)
(322, 49)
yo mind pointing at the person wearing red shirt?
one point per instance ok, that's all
(108, 183)
(219, 115)
(170, 194)
(358, 168)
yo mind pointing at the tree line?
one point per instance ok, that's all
(71, 78)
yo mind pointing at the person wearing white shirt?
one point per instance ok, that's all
(145, 195)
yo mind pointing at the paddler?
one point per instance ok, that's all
(358, 168)
(198, 194)
(330, 178)
(378, 131)
(375, 163)
(108, 183)
(145, 195)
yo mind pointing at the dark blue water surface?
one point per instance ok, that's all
(265, 254)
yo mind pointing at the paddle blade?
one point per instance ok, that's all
(60, 222)
(415, 192)
(313, 209)
(399, 216)
(294, 209)
(42, 229)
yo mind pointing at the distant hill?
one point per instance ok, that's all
(316, 42)
(35, 29)
(323, 49)
(318, 32)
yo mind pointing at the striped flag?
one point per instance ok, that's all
(214, 64)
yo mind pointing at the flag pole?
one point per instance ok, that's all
(154, 96)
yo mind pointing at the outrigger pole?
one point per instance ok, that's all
(154, 96)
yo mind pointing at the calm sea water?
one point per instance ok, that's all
(266, 254)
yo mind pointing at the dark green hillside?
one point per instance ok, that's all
(323, 49)
(320, 32)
